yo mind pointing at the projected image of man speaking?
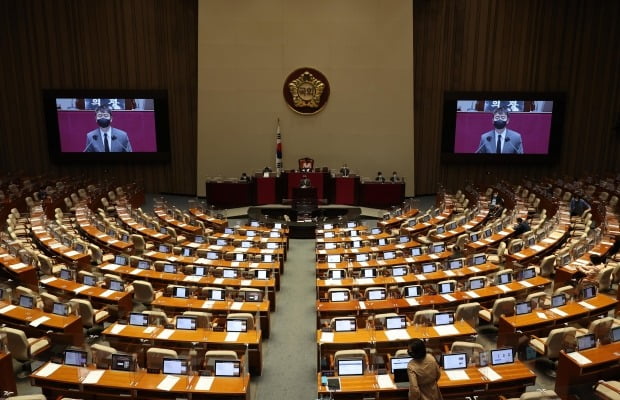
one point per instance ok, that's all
(500, 140)
(106, 138)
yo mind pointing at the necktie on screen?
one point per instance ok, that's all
(105, 143)
(498, 146)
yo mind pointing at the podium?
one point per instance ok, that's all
(305, 200)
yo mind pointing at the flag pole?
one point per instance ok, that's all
(278, 149)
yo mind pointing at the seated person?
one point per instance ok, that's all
(521, 227)
(244, 178)
(588, 274)
(380, 177)
(305, 182)
(345, 171)
(394, 177)
(578, 206)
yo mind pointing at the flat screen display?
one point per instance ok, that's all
(122, 362)
(236, 325)
(445, 318)
(339, 295)
(398, 367)
(350, 367)
(186, 323)
(413, 291)
(107, 125)
(397, 322)
(216, 294)
(376, 294)
(138, 319)
(199, 271)
(227, 368)
(345, 325)
(585, 342)
(399, 271)
(180, 292)
(523, 308)
(454, 361)
(26, 301)
(60, 309)
(174, 366)
(615, 334)
(558, 300)
(502, 356)
(76, 358)
(477, 283)
(445, 287)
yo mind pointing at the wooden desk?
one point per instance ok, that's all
(67, 254)
(13, 268)
(511, 328)
(604, 365)
(7, 379)
(395, 222)
(218, 308)
(181, 227)
(129, 337)
(565, 273)
(215, 223)
(514, 379)
(36, 322)
(529, 254)
(469, 226)
(149, 234)
(100, 238)
(421, 227)
(69, 381)
(482, 244)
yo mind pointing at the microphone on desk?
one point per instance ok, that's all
(482, 145)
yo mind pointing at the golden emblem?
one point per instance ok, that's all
(306, 90)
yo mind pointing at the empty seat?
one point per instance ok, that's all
(155, 357)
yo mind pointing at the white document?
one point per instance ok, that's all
(18, 266)
(503, 288)
(472, 294)
(165, 334)
(449, 273)
(168, 383)
(80, 288)
(490, 373)
(39, 321)
(448, 297)
(445, 330)
(107, 293)
(421, 277)
(47, 370)
(525, 283)
(385, 382)
(149, 329)
(71, 253)
(558, 312)
(474, 269)
(541, 315)
(362, 305)
(457, 375)
(218, 281)
(537, 247)
(204, 383)
(48, 280)
(93, 377)
(587, 305)
(236, 305)
(116, 329)
(397, 334)
(580, 359)
(246, 282)
(232, 336)
(327, 337)
(399, 279)
(110, 267)
(208, 304)
(136, 271)
(412, 301)
(364, 281)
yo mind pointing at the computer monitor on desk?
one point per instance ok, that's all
(477, 283)
(216, 294)
(428, 268)
(350, 367)
(412, 291)
(185, 323)
(26, 301)
(396, 322)
(174, 366)
(339, 295)
(180, 292)
(77, 358)
(585, 342)
(376, 294)
(398, 367)
(524, 307)
(558, 300)
(400, 270)
(502, 356)
(227, 368)
(368, 272)
(444, 318)
(454, 361)
(122, 362)
(345, 325)
(61, 309)
(138, 319)
(236, 325)
(588, 292)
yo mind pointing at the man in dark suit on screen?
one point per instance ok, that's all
(106, 138)
(500, 140)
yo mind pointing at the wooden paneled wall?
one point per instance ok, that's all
(459, 45)
(115, 44)
(526, 45)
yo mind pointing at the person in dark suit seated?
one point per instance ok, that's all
(244, 177)
(394, 178)
(380, 177)
(305, 182)
(521, 227)
(344, 171)
(106, 138)
(500, 140)
(578, 205)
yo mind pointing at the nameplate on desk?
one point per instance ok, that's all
(397, 334)
(232, 336)
(503, 233)
(412, 301)
(421, 277)
(204, 383)
(448, 297)
(47, 370)
(446, 330)
(385, 382)
(48, 280)
(490, 374)
(457, 375)
(165, 334)
(558, 312)
(93, 377)
(327, 337)
(39, 321)
(472, 294)
(587, 305)
(116, 329)
(168, 383)
(110, 267)
(579, 358)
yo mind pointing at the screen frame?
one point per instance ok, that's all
(450, 99)
(161, 115)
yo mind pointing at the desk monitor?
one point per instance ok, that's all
(339, 295)
(336, 274)
(477, 283)
(345, 325)
(443, 318)
(199, 239)
(438, 247)
(122, 362)
(376, 294)
(229, 273)
(445, 287)
(479, 259)
(216, 294)
(440, 229)
(353, 233)
(187, 251)
(588, 292)
(68, 242)
(333, 258)
(350, 367)
(239, 257)
(474, 236)
(144, 264)
(277, 225)
(221, 242)
(261, 274)
(375, 231)
(79, 247)
(585, 342)
(615, 334)
(229, 231)
(454, 361)
(558, 300)
(488, 232)
(274, 234)
(174, 366)
(504, 278)
(254, 224)
(389, 255)
(563, 259)
(26, 301)
(531, 240)
(330, 246)
(399, 270)
(396, 322)
(180, 292)
(199, 270)
(164, 248)
(382, 242)
(185, 323)
(227, 368)
(124, 237)
(328, 226)
(267, 258)
(455, 264)
(163, 230)
(451, 225)
(417, 251)
(77, 358)
(60, 309)
(398, 367)
(425, 218)
(524, 307)
(246, 244)
(250, 233)
(412, 222)
(502, 356)
(120, 259)
(356, 244)
(369, 273)
(351, 224)
(412, 291)
(329, 234)
(89, 280)
(429, 267)
(138, 319)
(253, 296)
(66, 274)
(362, 257)
(170, 268)
(213, 255)
(403, 239)
(236, 325)
(527, 273)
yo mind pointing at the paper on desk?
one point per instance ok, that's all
(364, 281)
(168, 383)
(363, 263)
(110, 267)
(399, 279)
(457, 375)
(332, 265)
(541, 315)
(587, 305)
(234, 263)
(192, 278)
(331, 282)
(18, 266)
(445, 330)
(421, 277)
(116, 329)
(433, 256)
(474, 269)
(80, 288)
(246, 282)
(580, 359)
(49, 369)
(136, 271)
(412, 301)
(48, 280)
(218, 281)
(410, 259)
(525, 283)
(448, 297)
(107, 293)
(362, 305)
(208, 304)
(472, 294)
(93, 376)
(165, 334)
(149, 329)
(397, 334)
(204, 383)
(150, 253)
(236, 305)
(71, 253)
(327, 337)
(232, 336)
(39, 321)
(490, 373)
(558, 312)
(449, 273)
(503, 288)
(385, 382)
(55, 245)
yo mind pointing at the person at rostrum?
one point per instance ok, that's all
(394, 178)
(305, 182)
(380, 177)
(106, 138)
(344, 171)
(500, 140)
(423, 372)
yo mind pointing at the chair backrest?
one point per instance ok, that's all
(539, 395)
(468, 312)
(48, 300)
(472, 350)
(604, 278)
(212, 355)
(138, 242)
(247, 316)
(96, 255)
(143, 291)
(424, 317)
(86, 311)
(156, 317)
(502, 306)
(17, 343)
(537, 299)
(379, 319)
(601, 327)
(351, 354)
(556, 341)
(155, 357)
(568, 290)
(547, 266)
(102, 355)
